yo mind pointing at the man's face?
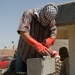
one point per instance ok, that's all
(43, 20)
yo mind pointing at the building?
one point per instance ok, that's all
(66, 29)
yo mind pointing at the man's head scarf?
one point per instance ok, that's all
(46, 13)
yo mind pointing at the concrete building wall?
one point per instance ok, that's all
(72, 49)
(60, 43)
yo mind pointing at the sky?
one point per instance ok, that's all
(10, 14)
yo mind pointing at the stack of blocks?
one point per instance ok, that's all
(40, 66)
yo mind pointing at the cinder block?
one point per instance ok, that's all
(40, 66)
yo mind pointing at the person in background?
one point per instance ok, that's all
(37, 32)
(64, 57)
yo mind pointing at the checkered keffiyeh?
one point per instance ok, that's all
(47, 13)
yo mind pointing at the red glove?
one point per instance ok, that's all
(48, 42)
(38, 46)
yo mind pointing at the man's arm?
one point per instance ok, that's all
(38, 46)
(50, 40)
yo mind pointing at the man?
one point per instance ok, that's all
(37, 32)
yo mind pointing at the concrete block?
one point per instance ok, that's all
(40, 66)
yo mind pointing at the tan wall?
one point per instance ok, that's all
(7, 52)
(62, 34)
(72, 49)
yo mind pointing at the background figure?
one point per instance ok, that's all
(37, 32)
(63, 52)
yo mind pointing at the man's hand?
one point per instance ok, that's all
(48, 42)
(42, 49)
(38, 46)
